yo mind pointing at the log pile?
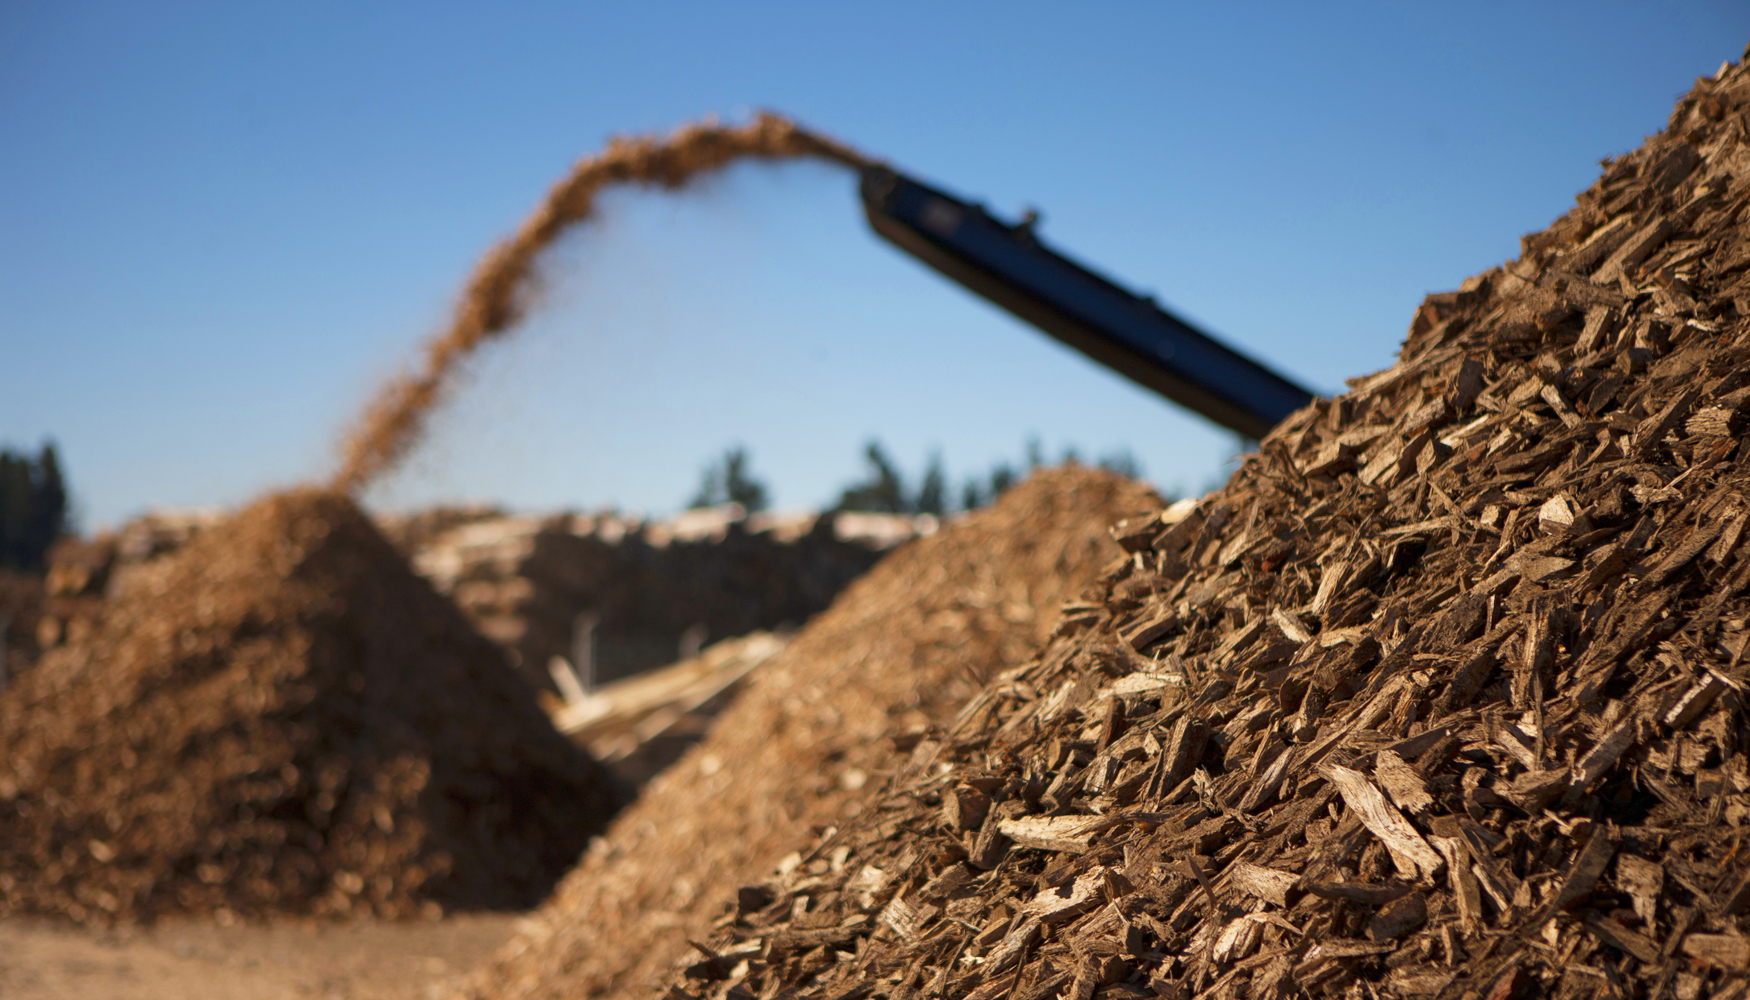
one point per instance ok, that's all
(809, 737)
(281, 718)
(709, 574)
(640, 725)
(1443, 695)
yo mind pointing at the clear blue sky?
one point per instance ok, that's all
(222, 224)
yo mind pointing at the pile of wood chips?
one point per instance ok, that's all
(281, 718)
(1441, 696)
(21, 606)
(813, 733)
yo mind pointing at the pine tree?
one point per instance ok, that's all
(14, 508)
(731, 480)
(972, 494)
(48, 502)
(932, 495)
(1123, 463)
(883, 491)
(33, 507)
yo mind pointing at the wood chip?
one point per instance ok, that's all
(1059, 833)
(1412, 855)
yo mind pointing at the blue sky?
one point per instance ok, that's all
(222, 225)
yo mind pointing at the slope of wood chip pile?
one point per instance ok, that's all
(1441, 696)
(281, 718)
(810, 737)
(84, 573)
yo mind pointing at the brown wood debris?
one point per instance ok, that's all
(279, 718)
(1460, 672)
(844, 711)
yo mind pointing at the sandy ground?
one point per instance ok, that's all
(183, 959)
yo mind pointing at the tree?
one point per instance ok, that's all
(972, 495)
(884, 488)
(730, 480)
(48, 502)
(33, 507)
(14, 510)
(1123, 463)
(882, 491)
(1002, 477)
(932, 495)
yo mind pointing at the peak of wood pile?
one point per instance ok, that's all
(280, 718)
(1443, 695)
(814, 733)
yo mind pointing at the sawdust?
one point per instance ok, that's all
(497, 296)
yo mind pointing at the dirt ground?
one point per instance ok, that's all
(183, 958)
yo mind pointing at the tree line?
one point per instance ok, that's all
(885, 488)
(33, 507)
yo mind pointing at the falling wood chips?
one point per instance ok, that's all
(1459, 662)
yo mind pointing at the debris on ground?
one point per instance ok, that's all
(195, 957)
(84, 573)
(21, 609)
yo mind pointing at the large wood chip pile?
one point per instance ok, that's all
(814, 732)
(1443, 695)
(281, 718)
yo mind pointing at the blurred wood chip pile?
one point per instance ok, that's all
(83, 573)
(1443, 695)
(279, 717)
(811, 734)
(21, 608)
(524, 580)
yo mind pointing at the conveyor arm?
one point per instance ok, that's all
(1127, 333)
